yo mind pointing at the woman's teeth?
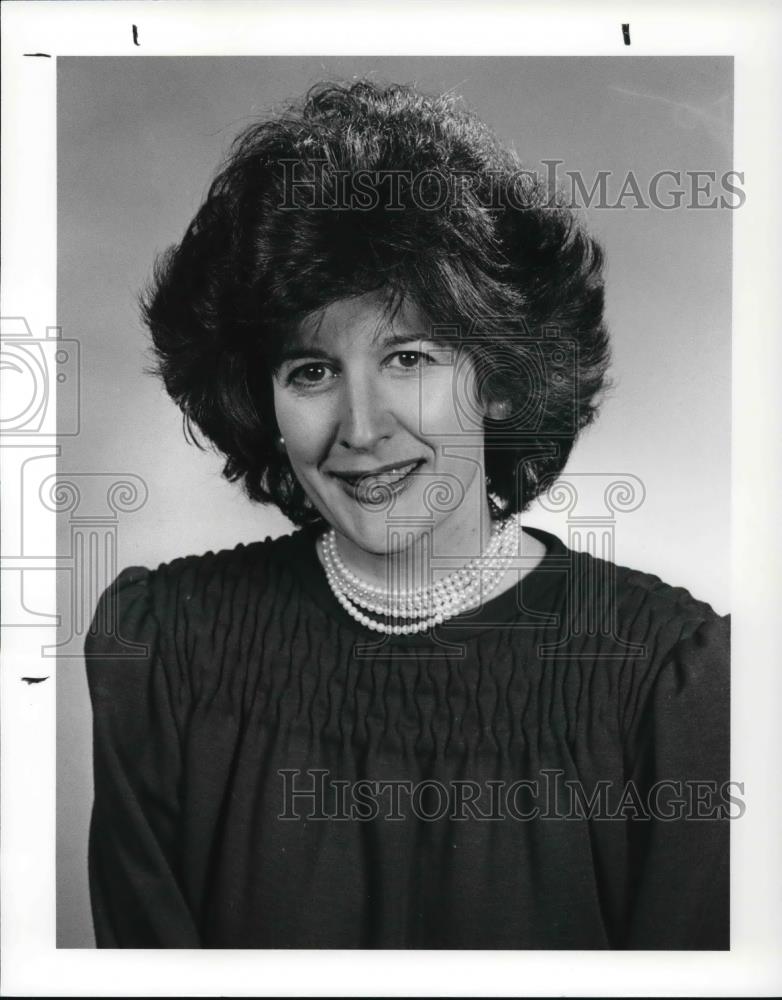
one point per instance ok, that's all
(376, 488)
(390, 475)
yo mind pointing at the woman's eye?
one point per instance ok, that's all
(309, 375)
(412, 359)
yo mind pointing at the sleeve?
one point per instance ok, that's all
(135, 886)
(679, 869)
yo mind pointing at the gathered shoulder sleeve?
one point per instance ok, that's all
(679, 763)
(138, 702)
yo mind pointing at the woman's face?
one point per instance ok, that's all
(383, 428)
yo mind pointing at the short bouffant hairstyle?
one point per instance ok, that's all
(368, 188)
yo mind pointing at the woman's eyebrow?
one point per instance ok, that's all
(296, 352)
(392, 340)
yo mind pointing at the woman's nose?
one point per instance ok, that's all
(364, 417)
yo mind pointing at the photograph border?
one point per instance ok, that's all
(35, 34)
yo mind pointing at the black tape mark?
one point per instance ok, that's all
(37, 55)
(35, 680)
(135, 35)
(626, 33)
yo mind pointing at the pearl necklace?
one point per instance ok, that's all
(397, 602)
(422, 607)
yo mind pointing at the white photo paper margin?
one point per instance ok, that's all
(34, 35)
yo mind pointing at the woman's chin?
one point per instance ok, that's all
(375, 536)
(375, 525)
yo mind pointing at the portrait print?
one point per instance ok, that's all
(403, 482)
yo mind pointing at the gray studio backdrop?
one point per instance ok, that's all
(138, 141)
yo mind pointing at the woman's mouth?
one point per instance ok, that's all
(376, 487)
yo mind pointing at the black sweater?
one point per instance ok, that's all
(225, 685)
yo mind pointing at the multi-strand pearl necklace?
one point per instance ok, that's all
(423, 607)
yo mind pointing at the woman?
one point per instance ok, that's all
(390, 729)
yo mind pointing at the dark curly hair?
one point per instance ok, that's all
(361, 188)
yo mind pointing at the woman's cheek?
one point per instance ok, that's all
(304, 422)
(445, 403)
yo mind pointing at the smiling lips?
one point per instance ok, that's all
(376, 485)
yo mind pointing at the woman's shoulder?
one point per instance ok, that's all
(668, 598)
(599, 589)
(244, 560)
(639, 596)
(686, 627)
(668, 615)
(666, 651)
(636, 625)
(196, 585)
